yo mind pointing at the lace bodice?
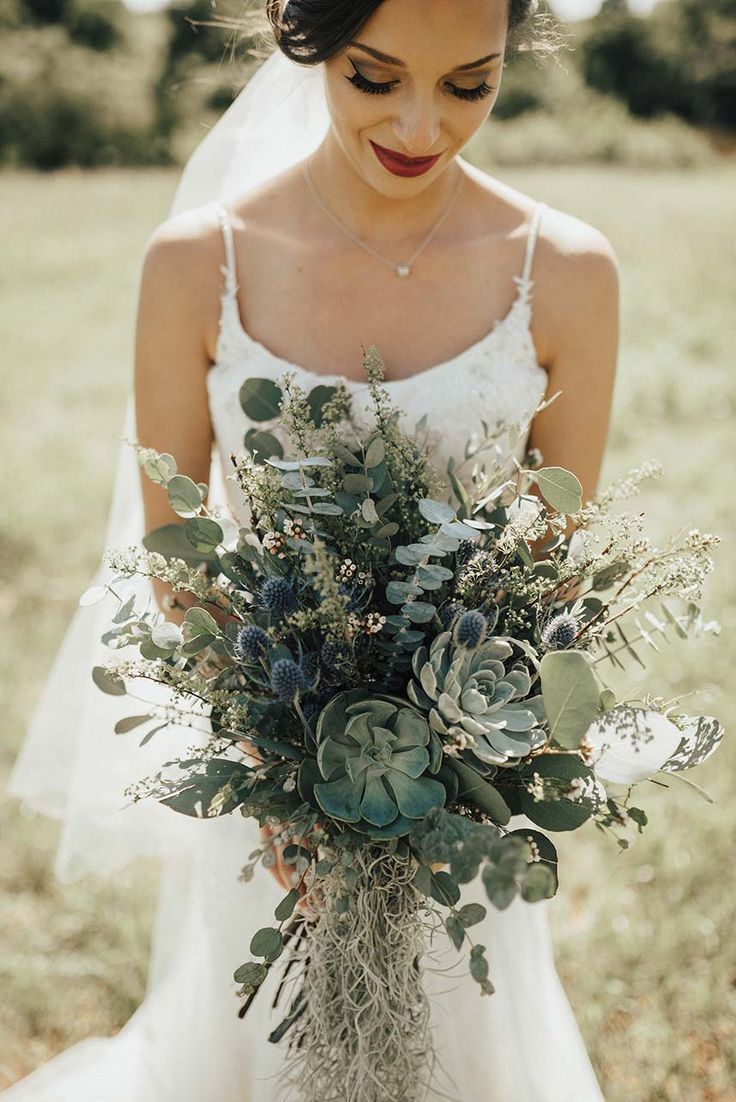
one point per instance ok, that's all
(498, 378)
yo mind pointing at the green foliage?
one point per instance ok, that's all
(76, 89)
(680, 60)
(570, 694)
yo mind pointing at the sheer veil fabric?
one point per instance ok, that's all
(71, 765)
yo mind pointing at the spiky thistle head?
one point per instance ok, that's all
(560, 632)
(470, 629)
(450, 611)
(277, 597)
(287, 680)
(252, 643)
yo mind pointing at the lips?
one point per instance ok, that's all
(400, 165)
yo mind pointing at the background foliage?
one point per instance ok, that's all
(88, 82)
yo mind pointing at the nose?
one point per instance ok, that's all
(417, 125)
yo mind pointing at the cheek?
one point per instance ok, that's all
(350, 111)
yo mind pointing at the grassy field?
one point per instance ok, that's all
(645, 939)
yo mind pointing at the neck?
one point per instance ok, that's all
(370, 214)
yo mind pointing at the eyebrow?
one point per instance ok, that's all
(389, 60)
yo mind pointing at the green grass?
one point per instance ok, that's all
(644, 939)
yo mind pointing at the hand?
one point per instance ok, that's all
(280, 870)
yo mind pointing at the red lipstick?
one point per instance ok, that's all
(400, 165)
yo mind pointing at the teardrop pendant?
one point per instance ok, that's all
(403, 270)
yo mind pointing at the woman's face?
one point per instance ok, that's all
(430, 99)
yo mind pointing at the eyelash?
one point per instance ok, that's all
(376, 89)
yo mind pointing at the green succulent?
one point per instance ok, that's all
(374, 756)
(471, 692)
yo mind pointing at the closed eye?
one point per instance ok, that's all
(375, 88)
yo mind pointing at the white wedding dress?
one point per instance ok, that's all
(185, 1042)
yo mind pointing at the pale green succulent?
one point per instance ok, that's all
(376, 754)
(471, 692)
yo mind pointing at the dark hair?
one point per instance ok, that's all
(310, 31)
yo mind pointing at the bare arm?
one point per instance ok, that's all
(171, 363)
(579, 318)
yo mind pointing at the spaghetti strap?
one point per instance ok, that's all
(531, 242)
(227, 269)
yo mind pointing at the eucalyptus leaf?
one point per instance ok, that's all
(113, 686)
(204, 534)
(455, 930)
(260, 399)
(251, 975)
(167, 636)
(419, 612)
(559, 488)
(376, 452)
(184, 496)
(200, 622)
(436, 512)
(571, 695)
(317, 399)
(357, 483)
(262, 445)
(129, 723)
(286, 907)
(267, 942)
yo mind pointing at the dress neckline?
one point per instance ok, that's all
(231, 325)
(230, 311)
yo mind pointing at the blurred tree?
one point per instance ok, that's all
(681, 59)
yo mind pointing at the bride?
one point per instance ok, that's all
(328, 210)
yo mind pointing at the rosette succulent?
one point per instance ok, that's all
(472, 692)
(376, 755)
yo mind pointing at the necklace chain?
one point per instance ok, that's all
(404, 269)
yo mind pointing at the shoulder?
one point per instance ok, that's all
(181, 245)
(576, 287)
(182, 272)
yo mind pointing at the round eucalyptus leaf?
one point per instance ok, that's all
(317, 398)
(113, 686)
(166, 636)
(92, 595)
(262, 445)
(184, 496)
(436, 512)
(267, 942)
(571, 696)
(200, 622)
(251, 974)
(419, 612)
(260, 399)
(368, 509)
(559, 488)
(204, 534)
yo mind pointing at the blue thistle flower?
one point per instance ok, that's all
(310, 668)
(449, 611)
(560, 632)
(470, 629)
(287, 679)
(332, 651)
(278, 598)
(252, 643)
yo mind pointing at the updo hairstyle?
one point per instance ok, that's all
(311, 31)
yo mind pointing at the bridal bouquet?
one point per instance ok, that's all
(389, 664)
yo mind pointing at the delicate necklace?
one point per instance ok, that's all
(402, 270)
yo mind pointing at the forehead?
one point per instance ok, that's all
(437, 34)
